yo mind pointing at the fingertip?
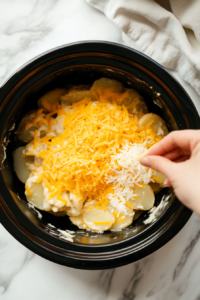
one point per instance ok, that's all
(145, 161)
(159, 163)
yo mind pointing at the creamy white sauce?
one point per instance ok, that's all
(66, 235)
(33, 207)
(155, 212)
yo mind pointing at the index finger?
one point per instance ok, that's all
(183, 139)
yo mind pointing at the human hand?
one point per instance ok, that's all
(177, 156)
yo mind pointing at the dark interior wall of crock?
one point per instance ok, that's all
(25, 99)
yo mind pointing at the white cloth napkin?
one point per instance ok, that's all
(159, 33)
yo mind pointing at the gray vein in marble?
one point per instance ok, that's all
(12, 260)
(5, 282)
(185, 255)
(162, 292)
(27, 30)
(130, 291)
(105, 281)
(178, 278)
(157, 288)
(35, 21)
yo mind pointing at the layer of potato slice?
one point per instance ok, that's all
(50, 98)
(159, 178)
(97, 219)
(155, 122)
(37, 195)
(20, 164)
(100, 85)
(78, 221)
(144, 198)
(26, 135)
(75, 94)
(122, 222)
(135, 103)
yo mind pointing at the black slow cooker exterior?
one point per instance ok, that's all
(80, 63)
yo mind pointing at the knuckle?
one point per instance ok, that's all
(180, 152)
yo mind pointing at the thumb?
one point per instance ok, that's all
(160, 164)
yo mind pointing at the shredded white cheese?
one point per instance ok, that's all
(131, 173)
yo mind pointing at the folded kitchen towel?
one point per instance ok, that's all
(159, 32)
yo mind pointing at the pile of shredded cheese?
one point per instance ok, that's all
(128, 173)
(95, 153)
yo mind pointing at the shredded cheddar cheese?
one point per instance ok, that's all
(101, 223)
(28, 189)
(79, 159)
(87, 155)
(157, 179)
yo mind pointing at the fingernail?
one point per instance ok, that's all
(145, 161)
(167, 183)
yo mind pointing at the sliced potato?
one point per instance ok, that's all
(145, 198)
(159, 178)
(158, 124)
(20, 164)
(138, 106)
(50, 98)
(122, 222)
(77, 93)
(108, 89)
(78, 221)
(155, 186)
(97, 219)
(107, 83)
(37, 195)
(141, 109)
(26, 135)
(132, 95)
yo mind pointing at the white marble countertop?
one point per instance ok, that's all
(28, 28)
